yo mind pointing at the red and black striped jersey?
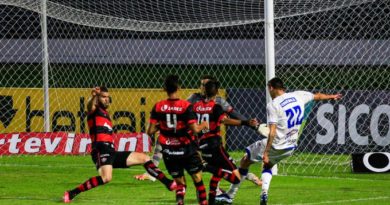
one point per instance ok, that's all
(100, 126)
(211, 112)
(174, 117)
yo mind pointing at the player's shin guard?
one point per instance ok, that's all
(87, 185)
(266, 177)
(157, 173)
(201, 192)
(234, 187)
(213, 189)
(180, 193)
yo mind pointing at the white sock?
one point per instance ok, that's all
(234, 187)
(266, 177)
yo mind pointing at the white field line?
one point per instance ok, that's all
(342, 201)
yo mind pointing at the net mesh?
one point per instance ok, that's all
(130, 46)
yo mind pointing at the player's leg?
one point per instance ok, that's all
(200, 188)
(105, 176)
(275, 156)
(248, 159)
(266, 177)
(194, 167)
(103, 156)
(175, 167)
(152, 169)
(180, 189)
(229, 195)
(209, 166)
(157, 156)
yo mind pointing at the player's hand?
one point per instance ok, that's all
(337, 96)
(204, 125)
(265, 159)
(95, 91)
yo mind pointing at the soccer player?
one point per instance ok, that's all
(227, 108)
(284, 117)
(103, 153)
(218, 161)
(177, 121)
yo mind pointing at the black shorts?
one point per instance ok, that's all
(190, 161)
(103, 153)
(215, 154)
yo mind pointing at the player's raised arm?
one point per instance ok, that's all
(93, 101)
(322, 96)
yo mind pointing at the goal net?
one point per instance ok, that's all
(130, 46)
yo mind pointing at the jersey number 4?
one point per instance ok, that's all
(172, 121)
(294, 115)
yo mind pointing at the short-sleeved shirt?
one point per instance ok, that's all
(287, 112)
(211, 112)
(174, 117)
(100, 126)
(196, 97)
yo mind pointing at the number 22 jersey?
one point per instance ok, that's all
(287, 112)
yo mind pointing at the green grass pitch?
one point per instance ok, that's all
(43, 179)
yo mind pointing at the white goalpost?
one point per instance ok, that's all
(52, 52)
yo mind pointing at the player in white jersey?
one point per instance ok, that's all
(284, 117)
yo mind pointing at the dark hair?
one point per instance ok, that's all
(171, 83)
(103, 89)
(208, 77)
(276, 83)
(211, 88)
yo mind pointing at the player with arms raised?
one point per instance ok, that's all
(285, 114)
(103, 153)
(284, 117)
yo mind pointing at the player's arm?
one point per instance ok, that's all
(193, 98)
(93, 101)
(152, 127)
(196, 128)
(271, 137)
(229, 109)
(322, 96)
(192, 120)
(272, 119)
(234, 122)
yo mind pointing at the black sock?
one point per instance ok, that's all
(154, 171)
(200, 191)
(213, 189)
(87, 185)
